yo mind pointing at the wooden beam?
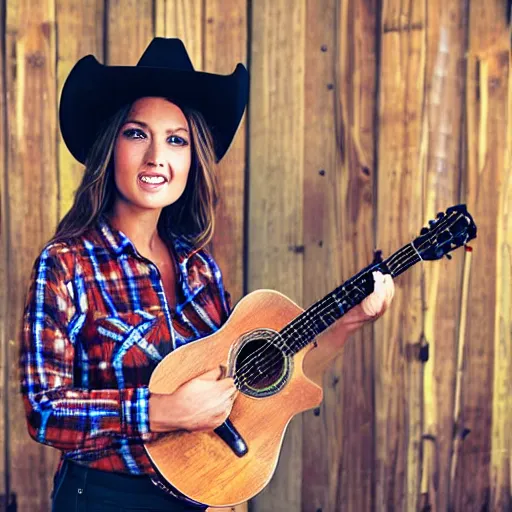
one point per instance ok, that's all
(276, 245)
(225, 44)
(128, 20)
(442, 162)
(340, 133)
(399, 334)
(482, 443)
(81, 32)
(32, 212)
(4, 275)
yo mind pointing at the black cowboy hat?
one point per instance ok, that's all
(93, 92)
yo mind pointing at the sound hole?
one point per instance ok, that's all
(261, 368)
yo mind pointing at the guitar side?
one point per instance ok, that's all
(200, 464)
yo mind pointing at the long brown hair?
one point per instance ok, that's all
(192, 216)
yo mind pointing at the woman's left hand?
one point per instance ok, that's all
(373, 306)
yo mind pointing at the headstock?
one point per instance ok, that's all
(450, 230)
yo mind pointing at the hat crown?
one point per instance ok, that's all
(166, 53)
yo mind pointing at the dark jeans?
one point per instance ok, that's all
(80, 489)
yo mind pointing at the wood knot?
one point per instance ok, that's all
(36, 59)
(297, 249)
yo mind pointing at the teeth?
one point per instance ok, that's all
(152, 179)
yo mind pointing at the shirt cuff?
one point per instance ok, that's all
(135, 413)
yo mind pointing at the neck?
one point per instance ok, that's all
(304, 329)
(140, 226)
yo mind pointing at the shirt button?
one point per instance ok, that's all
(80, 491)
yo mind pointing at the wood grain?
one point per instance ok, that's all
(4, 276)
(81, 32)
(483, 439)
(128, 20)
(225, 44)
(356, 213)
(183, 19)
(398, 371)
(31, 187)
(321, 445)
(275, 232)
(442, 163)
(338, 233)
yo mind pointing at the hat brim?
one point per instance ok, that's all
(93, 92)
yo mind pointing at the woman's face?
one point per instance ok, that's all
(152, 154)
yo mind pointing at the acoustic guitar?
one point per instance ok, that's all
(262, 346)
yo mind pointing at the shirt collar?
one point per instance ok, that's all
(119, 243)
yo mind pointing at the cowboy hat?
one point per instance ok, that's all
(93, 92)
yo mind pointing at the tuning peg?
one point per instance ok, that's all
(424, 231)
(432, 223)
(440, 215)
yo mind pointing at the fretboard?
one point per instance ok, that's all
(322, 314)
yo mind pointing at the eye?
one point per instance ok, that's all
(175, 140)
(131, 132)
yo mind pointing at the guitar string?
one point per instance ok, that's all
(390, 260)
(324, 306)
(272, 360)
(242, 373)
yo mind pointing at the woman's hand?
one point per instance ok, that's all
(373, 306)
(203, 403)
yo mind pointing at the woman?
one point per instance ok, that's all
(127, 279)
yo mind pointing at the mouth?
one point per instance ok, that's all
(152, 179)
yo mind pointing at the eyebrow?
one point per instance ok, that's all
(144, 125)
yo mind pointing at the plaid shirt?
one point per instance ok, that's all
(96, 323)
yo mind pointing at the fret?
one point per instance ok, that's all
(323, 313)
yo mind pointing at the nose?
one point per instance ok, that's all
(154, 155)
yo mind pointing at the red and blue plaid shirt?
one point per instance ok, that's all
(96, 324)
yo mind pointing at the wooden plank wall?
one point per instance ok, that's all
(366, 118)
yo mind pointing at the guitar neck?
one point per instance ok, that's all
(322, 314)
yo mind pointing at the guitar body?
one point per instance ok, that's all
(200, 464)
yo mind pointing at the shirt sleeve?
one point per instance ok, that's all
(58, 414)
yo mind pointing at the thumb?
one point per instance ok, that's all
(215, 374)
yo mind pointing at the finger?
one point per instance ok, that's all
(390, 289)
(227, 385)
(379, 282)
(214, 374)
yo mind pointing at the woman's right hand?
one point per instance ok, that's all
(202, 403)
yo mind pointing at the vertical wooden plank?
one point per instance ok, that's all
(184, 19)
(357, 33)
(128, 20)
(501, 434)
(81, 31)
(482, 448)
(398, 372)
(276, 136)
(4, 268)
(446, 45)
(225, 44)
(32, 211)
(321, 440)
(338, 455)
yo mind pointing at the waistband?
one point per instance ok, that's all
(115, 481)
